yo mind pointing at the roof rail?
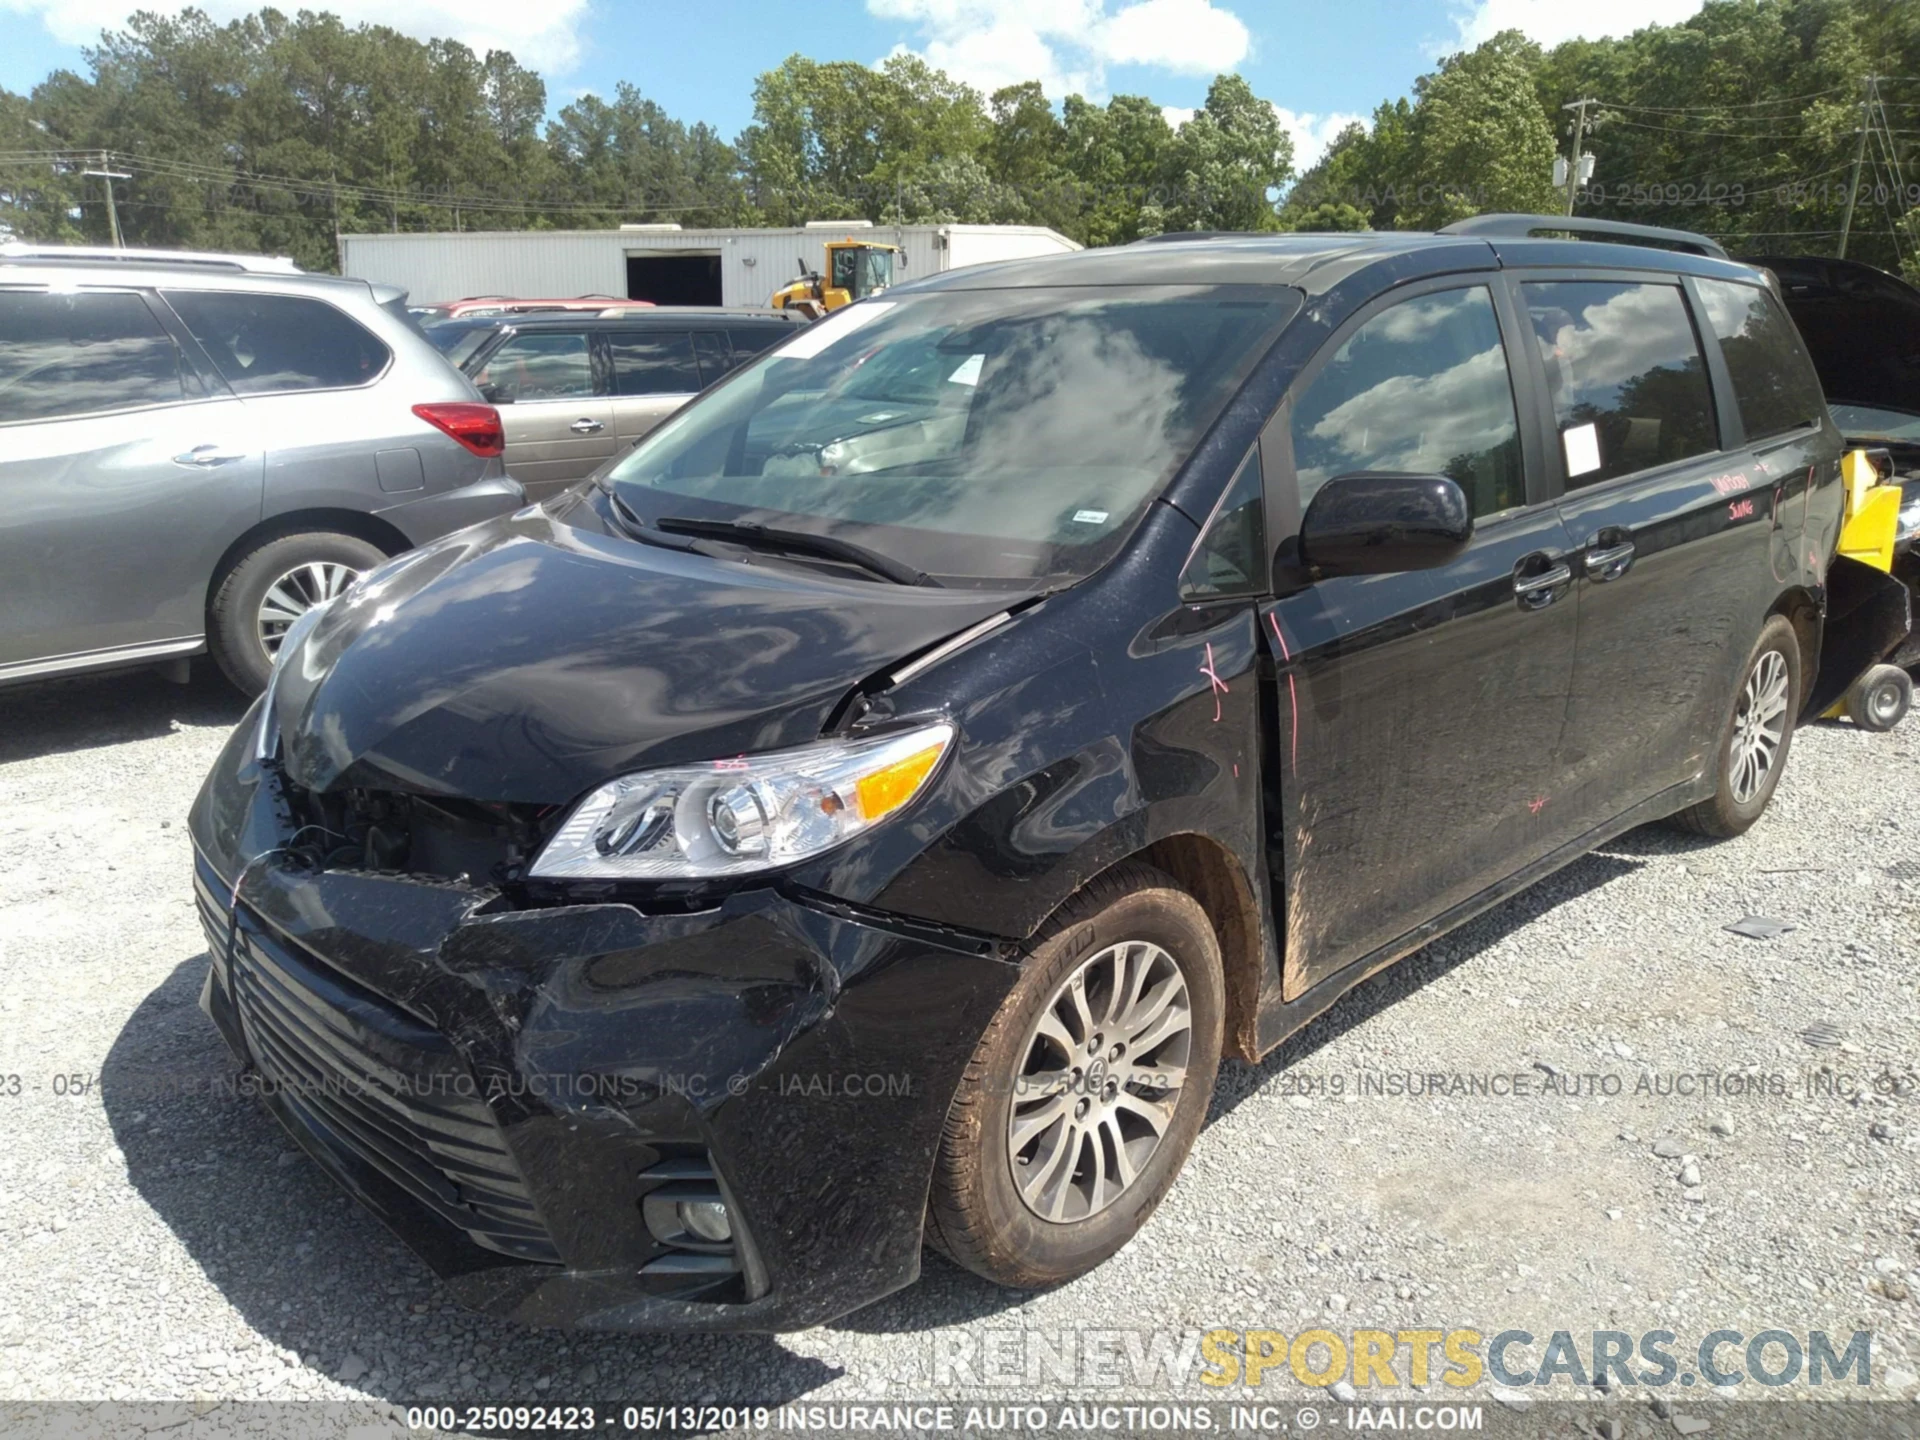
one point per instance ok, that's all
(18, 250)
(1166, 236)
(1521, 225)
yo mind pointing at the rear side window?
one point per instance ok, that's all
(541, 365)
(1774, 382)
(751, 340)
(83, 354)
(1624, 369)
(654, 362)
(1421, 388)
(715, 356)
(276, 344)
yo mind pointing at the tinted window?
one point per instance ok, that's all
(715, 357)
(654, 362)
(1231, 557)
(547, 365)
(1011, 434)
(1420, 388)
(1773, 380)
(1623, 367)
(80, 354)
(271, 344)
(751, 340)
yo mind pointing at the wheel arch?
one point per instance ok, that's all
(1804, 612)
(1207, 870)
(379, 533)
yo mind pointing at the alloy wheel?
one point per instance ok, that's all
(1102, 1074)
(295, 593)
(1758, 726)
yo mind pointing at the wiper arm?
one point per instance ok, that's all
(797, 542)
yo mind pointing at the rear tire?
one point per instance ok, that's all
(1753, 748)
(1129, 960)
(243, 627)
(1880, 699)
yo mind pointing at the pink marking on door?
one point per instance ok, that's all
(1293, 698)
(1534, 806)
(1215, 685)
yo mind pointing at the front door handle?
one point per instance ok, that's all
(586, 426)
(205, 457)
(1609, 562)
(1538, 588)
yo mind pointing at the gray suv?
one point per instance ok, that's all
(194, 450)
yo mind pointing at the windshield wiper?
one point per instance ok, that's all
(797, 542)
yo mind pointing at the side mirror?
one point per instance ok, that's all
(1377, 523)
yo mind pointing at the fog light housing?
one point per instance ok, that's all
(706, 1220)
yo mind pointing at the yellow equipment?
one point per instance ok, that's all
(1869, 524)
(855, 270)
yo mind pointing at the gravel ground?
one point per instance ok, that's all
(171, 1247)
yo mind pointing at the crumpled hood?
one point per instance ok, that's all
(527, 660)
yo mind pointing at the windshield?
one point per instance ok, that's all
(1871, 422)
(459, 342)
(991, 434)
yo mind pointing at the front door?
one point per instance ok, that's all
(1416, 715)
(122, 479)
(559, 421)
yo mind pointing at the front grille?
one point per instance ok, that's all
(210, 902)
(377, 1084)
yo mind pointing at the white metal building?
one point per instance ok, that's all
(662, 263)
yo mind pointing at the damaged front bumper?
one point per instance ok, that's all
(527, 1096)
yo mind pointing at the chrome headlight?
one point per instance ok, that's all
(736, 817)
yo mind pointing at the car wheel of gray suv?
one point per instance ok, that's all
(270, 587)
(1085, 1093)
(1758, 734)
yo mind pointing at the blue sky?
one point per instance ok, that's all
(1319, 62)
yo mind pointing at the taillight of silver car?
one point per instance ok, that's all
(474, 425)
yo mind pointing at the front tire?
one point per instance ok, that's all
(1085, 1093)
(1758, 734)
(268, 588)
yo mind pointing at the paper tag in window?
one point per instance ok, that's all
(1089, 517)
(969, 371)
(1583, 449)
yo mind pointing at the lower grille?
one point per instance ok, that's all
(376, 1084)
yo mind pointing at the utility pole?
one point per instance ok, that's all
(1859, 154)
(1574, 165)
(110, 175)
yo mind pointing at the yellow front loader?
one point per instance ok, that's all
(1870, 523)
(855, 270)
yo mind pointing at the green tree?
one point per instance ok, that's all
(1479, 138)
(1223, 169)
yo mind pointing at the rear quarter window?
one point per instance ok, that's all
(1774, 381)
(278, 344)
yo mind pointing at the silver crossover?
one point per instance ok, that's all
(194, 450)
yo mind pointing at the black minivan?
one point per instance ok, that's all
(866, 815)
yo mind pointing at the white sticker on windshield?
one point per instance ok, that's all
(969, 371)
(1089, 517)
(837, 326)
(1583, 449)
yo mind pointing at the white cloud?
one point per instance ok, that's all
(545, 37)
(1177, 115)
(1067, 44)
(1312, 133)
(1191, 37)
(1551, 21)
